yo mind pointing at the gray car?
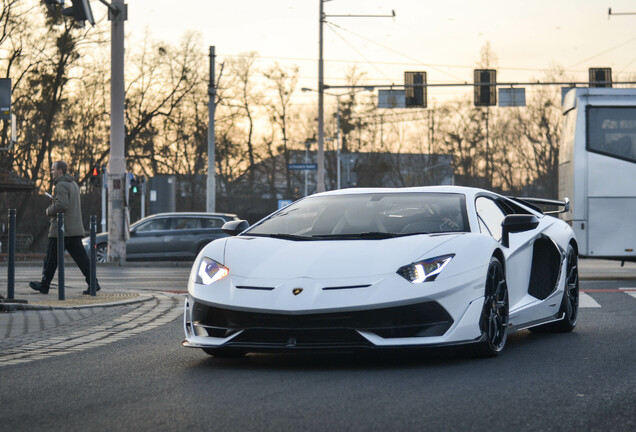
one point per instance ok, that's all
(167, 236)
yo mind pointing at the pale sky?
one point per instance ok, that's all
(443, 38)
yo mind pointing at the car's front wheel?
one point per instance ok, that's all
(494, 315)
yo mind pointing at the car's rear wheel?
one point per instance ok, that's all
(570, 303)
(101, 253)
(494, 315)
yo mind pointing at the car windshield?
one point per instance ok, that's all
(367, 216)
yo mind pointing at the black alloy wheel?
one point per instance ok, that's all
(570, 305)
(494, 315)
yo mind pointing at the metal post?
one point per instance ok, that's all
(211, 184)
(320, 182)
(11, 252)
(338, 139)
(143, 197)
(117, 161)
(93, 279)
(306, 162)
(104, 189)
(60, 255)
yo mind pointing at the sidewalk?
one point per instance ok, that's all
(598, 269)
(26, 298)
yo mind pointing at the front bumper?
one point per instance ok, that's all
(421, 324)
(379, 313)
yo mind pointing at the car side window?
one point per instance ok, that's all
(154, 225)
(186, 223)
(490, 215)
(212, 223)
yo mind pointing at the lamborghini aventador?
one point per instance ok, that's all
(385, 268)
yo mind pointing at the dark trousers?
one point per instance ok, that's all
(75, 248)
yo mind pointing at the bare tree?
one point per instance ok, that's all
(283, 82)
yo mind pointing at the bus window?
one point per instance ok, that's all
(611, 131)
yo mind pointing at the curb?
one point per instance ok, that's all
(13, 307)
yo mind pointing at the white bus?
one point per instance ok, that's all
(597, 170)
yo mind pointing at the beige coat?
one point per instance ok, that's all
(66, 199)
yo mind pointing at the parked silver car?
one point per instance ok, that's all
(167, 236)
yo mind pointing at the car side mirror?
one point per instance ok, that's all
(515, 223)
(235, 227)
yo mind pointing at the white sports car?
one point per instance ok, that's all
(385, 268)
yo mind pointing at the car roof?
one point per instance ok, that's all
(199, 214)
(465, 190)
(185, 214)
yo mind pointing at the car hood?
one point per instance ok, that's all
(264, 257)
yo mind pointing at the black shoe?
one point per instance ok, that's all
(88, 291)
(39, 287)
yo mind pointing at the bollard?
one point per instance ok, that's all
(93, 284)
(60, 255)
(11, 253)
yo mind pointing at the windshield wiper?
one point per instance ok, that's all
(281, 236)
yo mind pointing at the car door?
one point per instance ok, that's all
(147, 239)
(181, 241)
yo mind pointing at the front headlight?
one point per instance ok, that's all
(425, 271)
(210, 271)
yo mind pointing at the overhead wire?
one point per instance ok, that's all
(419, 62)
(603, 53)
(369, 62)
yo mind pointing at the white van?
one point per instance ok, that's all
(597, 170)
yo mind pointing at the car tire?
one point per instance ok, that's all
(494, 316)
(569, 309)
(224, 353)
(101, 253)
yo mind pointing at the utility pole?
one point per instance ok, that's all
(117, 164)
(320, 186)
(211, 182)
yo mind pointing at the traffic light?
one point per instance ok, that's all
(135, 186)
(485, 95)
(5, 98)
(96, 177)
(600, 77)
(415, 89)
(81, 11)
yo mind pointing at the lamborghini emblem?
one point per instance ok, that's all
(297, 291)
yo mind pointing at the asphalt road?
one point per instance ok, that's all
(582, 381)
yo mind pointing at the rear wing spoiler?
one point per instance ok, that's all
(534, 202)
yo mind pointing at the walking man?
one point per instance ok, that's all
(66, 199)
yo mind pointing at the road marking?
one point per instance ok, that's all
(586, 301)
(633, 294)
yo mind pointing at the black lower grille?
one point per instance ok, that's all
(422, 319)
